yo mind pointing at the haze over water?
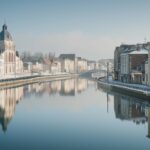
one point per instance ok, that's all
(72, 114)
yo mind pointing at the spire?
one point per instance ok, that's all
(4, 27)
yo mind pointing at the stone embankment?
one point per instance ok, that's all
(139, 91)
(11, 82)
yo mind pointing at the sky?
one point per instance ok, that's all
(89, 28)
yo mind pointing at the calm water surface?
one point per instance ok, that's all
(72, 114)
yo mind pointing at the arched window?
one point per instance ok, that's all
(9, 57)
(6, 57)
(13, 57)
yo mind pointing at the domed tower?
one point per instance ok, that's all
(5, 35)
(7, 52)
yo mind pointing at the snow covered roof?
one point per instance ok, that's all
(141, 51)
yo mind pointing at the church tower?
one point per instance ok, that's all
(7, 53)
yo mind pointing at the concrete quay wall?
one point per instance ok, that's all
(138, 93)
(33, 79)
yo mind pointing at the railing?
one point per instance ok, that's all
(135, 86)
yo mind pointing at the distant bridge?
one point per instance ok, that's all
(94, 74)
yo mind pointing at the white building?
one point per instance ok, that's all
(91, 65)
(10, 63)
(68, 63)
(56, 67)
(133, 65)
(81, 65)
(149, 67)
(124, 63)
(146, 73)
(37, 67)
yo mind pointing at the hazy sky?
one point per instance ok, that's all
(89, 28)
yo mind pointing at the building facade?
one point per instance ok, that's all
(149, 67)
(129, 63)
(68, 63)
(81, 65)
(10, 63)
(133, 66)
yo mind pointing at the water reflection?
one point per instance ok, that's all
(11, 96)
(148, 114)
(128, 108)
(63, 87)
(8, 100)
(125, 108)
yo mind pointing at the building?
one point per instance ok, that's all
(81, 65)
(149, 67)
(10, 63)
(117, 59)
(133, 66)
(68, 63)
(37, 67)
(146, 73)
(56, 67)
(91, 65)
(27, 66)
(129, 63)
(19, 64)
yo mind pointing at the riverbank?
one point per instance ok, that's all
(33, 79)
(142, 92)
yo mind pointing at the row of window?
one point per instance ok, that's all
(9, 57)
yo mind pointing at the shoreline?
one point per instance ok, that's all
(34, 79)
(138, 93)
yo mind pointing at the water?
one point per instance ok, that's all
(72, 114)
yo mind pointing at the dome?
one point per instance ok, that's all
(4, 34)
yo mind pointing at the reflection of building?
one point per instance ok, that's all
(73, 86)
(128, 109)
(10, 97)
(81, 85)
(63, 87)
(56, 86)
(68, 87)
(148, 123)
(8, 100)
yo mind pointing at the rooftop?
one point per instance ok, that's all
(142, 51)
(67, 56)
(4, 34)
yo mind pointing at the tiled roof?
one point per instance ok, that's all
(67, 56)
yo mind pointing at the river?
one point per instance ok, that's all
(73, 114)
